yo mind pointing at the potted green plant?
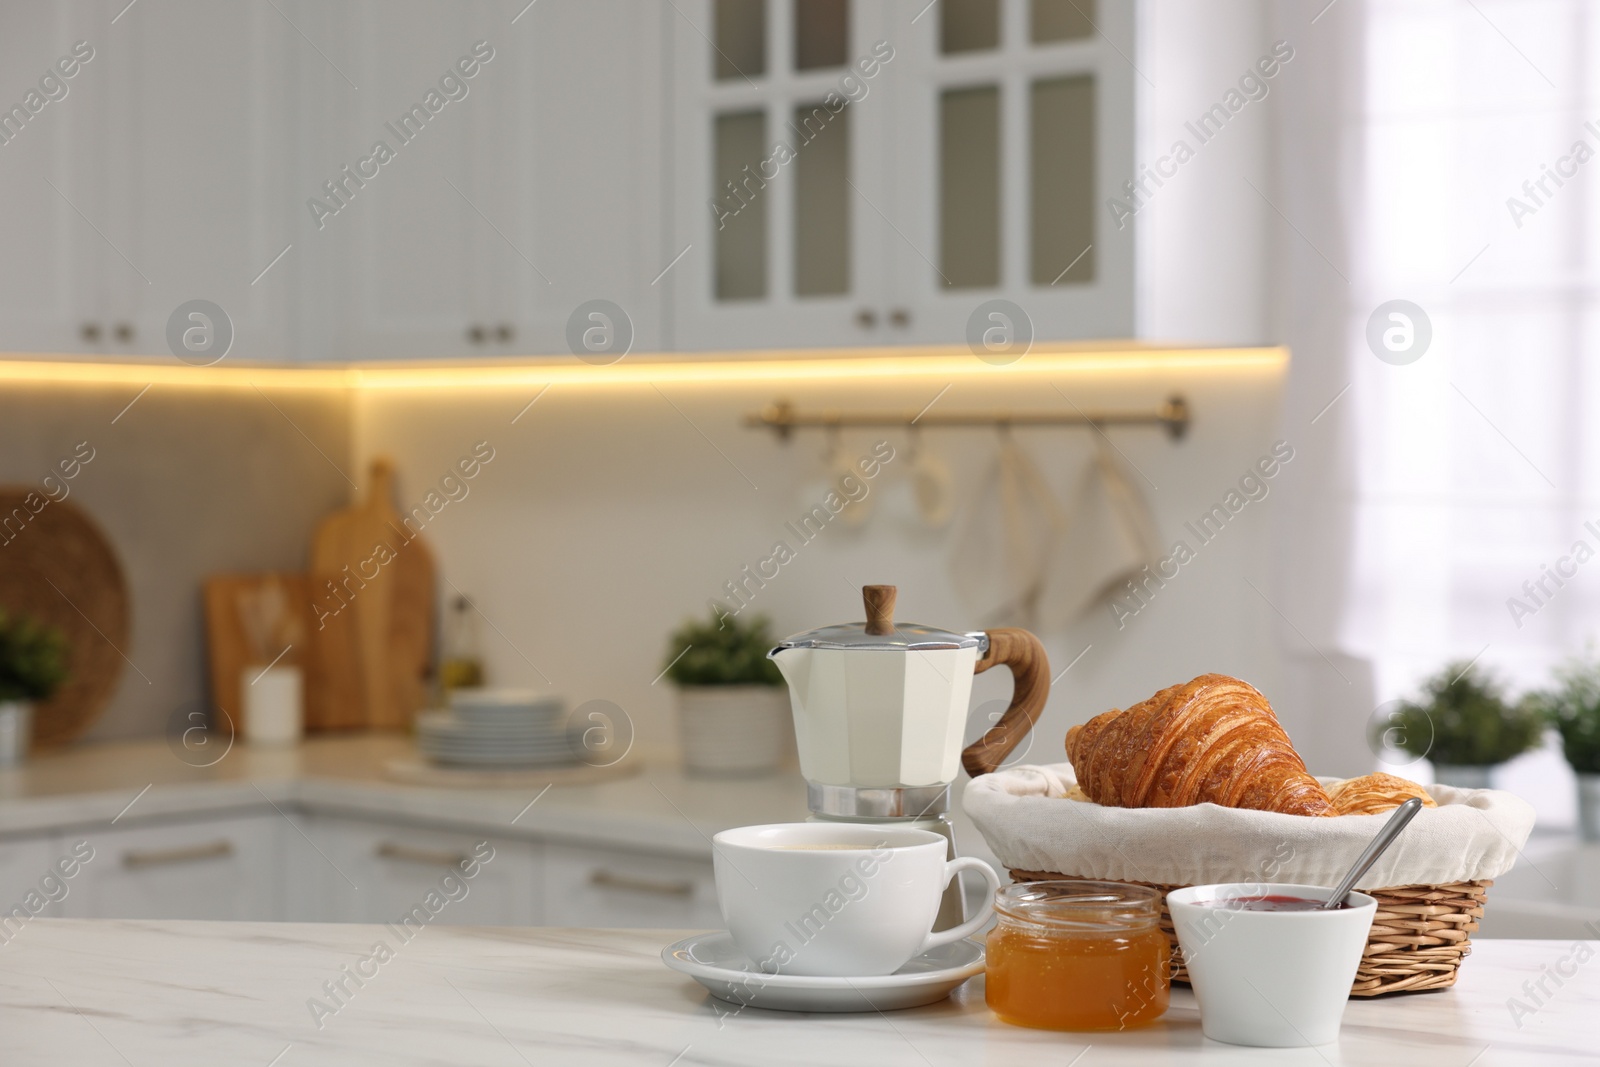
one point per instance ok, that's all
(1465, 724)
(733, 712)
(33, 664)
(1573, 708)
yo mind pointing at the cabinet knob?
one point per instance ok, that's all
(504, 332)
(123, 332)
(477, 334)
(900, 317)
(90, 331)
(866, 318)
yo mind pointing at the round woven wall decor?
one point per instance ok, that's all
(57, 567)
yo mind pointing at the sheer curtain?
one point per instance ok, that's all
(1446, 153)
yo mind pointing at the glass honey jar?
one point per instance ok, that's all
(1078, 955)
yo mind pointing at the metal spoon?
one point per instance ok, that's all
(1391, 829)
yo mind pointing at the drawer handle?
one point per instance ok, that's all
(189, 854)
(607, 880)
(435, 857)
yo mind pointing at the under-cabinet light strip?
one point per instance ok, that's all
(714, 369)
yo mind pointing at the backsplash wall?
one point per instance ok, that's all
(609, 513)
(185, 482)
(604, 515)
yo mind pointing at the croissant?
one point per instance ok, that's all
(1373, 794)
(1212, 740)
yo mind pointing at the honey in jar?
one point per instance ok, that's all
(1074, 955)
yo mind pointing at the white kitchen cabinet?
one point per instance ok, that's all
(198, 132)
(405, 255)
(56, 226)
(858, 173)
(781, 190)
(616, 888)
(530, 194)
(601, 154)
(158, 178)
(380, 872)
(288, 864)
(587, 131)
(25, 865)
(217, 868)
(1014, 130)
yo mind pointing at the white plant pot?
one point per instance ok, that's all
(1462, 777)
(1589, 806)
(16, 732)
(733, 730)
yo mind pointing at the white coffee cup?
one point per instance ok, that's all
(836, 898)
(1277, 979)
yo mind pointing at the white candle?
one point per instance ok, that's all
(273, 711)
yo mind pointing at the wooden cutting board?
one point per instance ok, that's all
(230, 651)
(372, 603)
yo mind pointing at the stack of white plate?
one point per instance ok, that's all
(496, 727)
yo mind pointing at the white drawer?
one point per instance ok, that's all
(204, 869)
(381, 872)
(31, 880)
(615, 888)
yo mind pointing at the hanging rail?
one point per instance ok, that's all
(782, 419)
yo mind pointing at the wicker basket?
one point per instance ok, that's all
(1419, 935)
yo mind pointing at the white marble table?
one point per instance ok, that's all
(179, 993)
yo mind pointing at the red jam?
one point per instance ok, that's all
(1273, 902)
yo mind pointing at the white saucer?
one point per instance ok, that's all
(716, 963)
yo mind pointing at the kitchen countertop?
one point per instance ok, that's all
(177, 993)
(1553, 891)
(659, 809)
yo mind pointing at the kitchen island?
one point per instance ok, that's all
(321, 832)
(279, 995)
(658, 808)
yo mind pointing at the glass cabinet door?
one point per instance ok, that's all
(1014, 129)
(781, 138)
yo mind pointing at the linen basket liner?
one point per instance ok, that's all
(1024, 815)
